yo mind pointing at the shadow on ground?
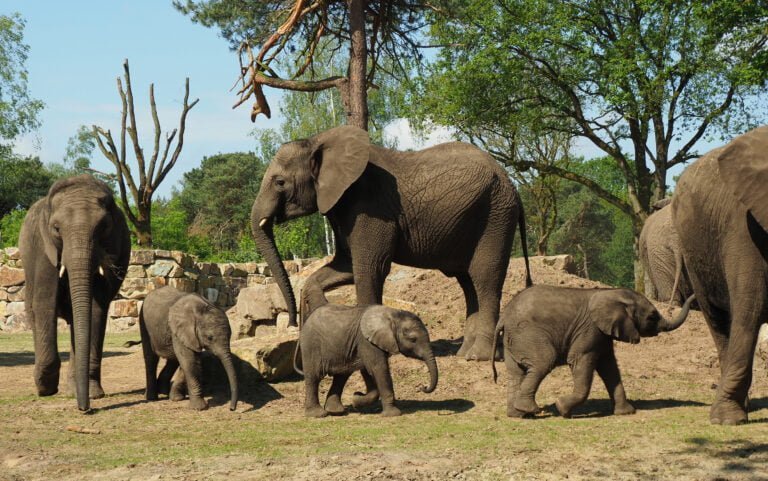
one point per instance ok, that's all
(597, 408)
(740, 457)
(27, 358)
(444, 407)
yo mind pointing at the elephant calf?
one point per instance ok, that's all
(338, 340)
(178, 326)
(547, 326)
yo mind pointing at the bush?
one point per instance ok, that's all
(10, 226)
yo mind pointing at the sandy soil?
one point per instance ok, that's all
(669, 378)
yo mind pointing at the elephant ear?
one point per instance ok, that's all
(614, 316)
(50, 249)
(379, 328)
(182, 320)
(339, 158)
(743, 166)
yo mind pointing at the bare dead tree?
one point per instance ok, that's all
(152, 171)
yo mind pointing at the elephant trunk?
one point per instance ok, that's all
(666, 325)
(78, 263)
(229, 368)
(429, 360)
(265, 243)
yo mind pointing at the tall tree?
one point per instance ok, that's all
(18, 111)
(152, 171)
(643, 80)
(290, 33)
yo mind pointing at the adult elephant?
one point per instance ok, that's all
(450, 207)
(720, 212)
(75, 248)
(662, 258)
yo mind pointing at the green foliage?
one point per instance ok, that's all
(10, 226)
(301, 238)
(18, 112)
(23, 181)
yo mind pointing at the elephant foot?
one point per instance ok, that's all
(150, 396)
(315, 412)
(178, 392)
(727, 412)
(564, 409)
(465, 347)
(176, 396)
(390, 411)
(198, 404)
(164, 388)
(527, 406)
(47, 390)
(334, 407)
(95, 391)
(515, 413)
(480, 351)
(623, 409)
(360, 400)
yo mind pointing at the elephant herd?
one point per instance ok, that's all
(452, 208)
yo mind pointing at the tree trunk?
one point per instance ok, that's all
(357, 87)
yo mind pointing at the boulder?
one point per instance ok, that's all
(121, 324)
(162, 269)
(13, 308)
(15, 293)
(563, 262)
(10, 276)
(136, 271)
(142, 257)
(182, 283)
(124, 308)
(13, 253)
(137, 288)
(269, 352)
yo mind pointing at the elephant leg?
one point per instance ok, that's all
(379, 369)
(583, 371)
(515, 374)
(42, 315)
(150, 372)
(336, 273)
(166, 375)
(333, 403)
(608, 370)
(190, 365)
(312, 407)
(372, 261)
(525, 402)
(178, 387)
(731, 398)
(470, 298)
(359, 399)
(99, 310)
(488, 287)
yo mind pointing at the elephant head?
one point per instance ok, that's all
(305, 176)
(396, 331)
(83, 233)
(627, 316)
(207, 329)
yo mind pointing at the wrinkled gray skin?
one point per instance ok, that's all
(662, 258)
(720, 212)
(75, 247)
(177, 326)
(339, 340)
(450, 207)
(546, 326)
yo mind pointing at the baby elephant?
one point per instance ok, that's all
(178, 326)
(547, 326)
(338, 340)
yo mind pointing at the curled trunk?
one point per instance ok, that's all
(666, 325)
(432, 366)
(265, 243)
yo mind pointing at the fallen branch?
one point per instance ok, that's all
(82, 430)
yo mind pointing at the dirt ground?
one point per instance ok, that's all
(458, 432)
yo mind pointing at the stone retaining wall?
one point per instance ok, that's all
(148, 270)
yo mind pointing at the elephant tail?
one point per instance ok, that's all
(296, 359)
(131, 343)
(499, 329)
(524, 244)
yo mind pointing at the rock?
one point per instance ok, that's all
(3, 307)
(16, 323)
(762, 343)
(15, 293)
(124, 308)
(184, 260)
(137, 288)
(263, 269)
(208, 269)
(291, 267)
(136, 271)
(261, 303)
(183, 284)
(14, 308)
(210, 294)
(247, 267)
(120, 324)
(159, 253)
(562, 262)
(399, 304)
(10, 276)
(161, 269)
(255, 280)
(142, 257)
(270, 353)
(13, 253)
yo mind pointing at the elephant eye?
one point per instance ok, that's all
(210, 338)
(279, 181)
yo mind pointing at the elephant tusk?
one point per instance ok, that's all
(61, 271)
(263, 221)
(101, 271)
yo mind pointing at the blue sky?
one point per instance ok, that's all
(76, 53)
